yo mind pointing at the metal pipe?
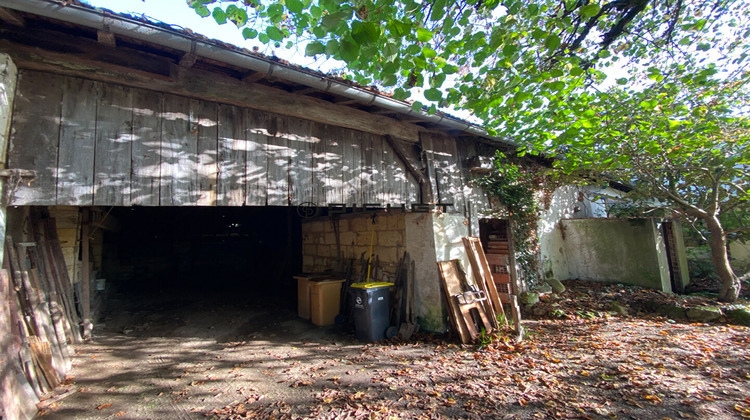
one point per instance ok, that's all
(144, 31)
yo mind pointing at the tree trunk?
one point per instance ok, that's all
(730, 283)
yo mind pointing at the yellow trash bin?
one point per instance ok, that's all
(325, 301)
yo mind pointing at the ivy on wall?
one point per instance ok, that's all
(518, 186)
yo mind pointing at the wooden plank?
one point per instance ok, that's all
(206, 85)
(392, 182)
(14, 401)
(278, 164)
(205, 124)
(260, 126)
(483, 276)
(232, 156)
(413, 189)
(430, 192)
(450, 276)
(85, 280)
(333, 165)
(58, 260)
(146, 147)
(114, 139)
(351, 164)
(377, 189)
(178, 145)
(75, 169)
(452, 179)
(301, 143)
(368, 170)
(319, 135)
(34, 138)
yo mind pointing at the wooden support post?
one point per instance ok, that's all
(85, 273)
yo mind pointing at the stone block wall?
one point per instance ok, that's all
(330, 243)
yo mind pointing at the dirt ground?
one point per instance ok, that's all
(203, 358)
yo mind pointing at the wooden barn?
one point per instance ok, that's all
(145, 159)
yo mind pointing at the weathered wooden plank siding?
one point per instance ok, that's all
(232, 156)
(100, 144)
(114, 139)
(146, 148)
(35, 139)
(259, 126)
(75, 160)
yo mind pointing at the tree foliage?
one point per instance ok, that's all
(649, 93)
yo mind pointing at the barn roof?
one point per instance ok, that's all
(195, 49)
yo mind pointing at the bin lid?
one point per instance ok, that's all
(371, 285)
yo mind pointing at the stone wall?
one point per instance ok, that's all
(329, 244)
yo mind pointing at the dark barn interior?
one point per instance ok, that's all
(203, 252)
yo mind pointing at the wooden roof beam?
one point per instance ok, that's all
(11, 18)
(187, 60)
(106, 38)
(253, 77)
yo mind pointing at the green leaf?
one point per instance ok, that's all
(274, 33)
(400, 94)
(437, 80)
(433, 95)
(262, 37)
(416, 106)
(450, 69)
(348, 49)
(423, 35)
(365, 32)
(399, 28)
(704, 46)
(622, 81)
(438, 10)
(202, 11)
(249, 33)
(314, 48)
(294, 6)
(331, 21)
(552, 42)
(275, 12)
(219, 16)
(429, 52)
(590, 10)
(236, 15)
(539, 34)
(332, 47)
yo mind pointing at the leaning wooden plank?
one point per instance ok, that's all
(20, 333)
(178, 146)
(205, 122)
(42, 353)
(34, 139)
(85, 276)
(75, 168)
(278, 164)
(54, 333)
(483, 276)
(57, 261)
(260, 127)
(14, 401)
(146, 147)
(450, 276)
(232, 157)
(40, 256)
(114, 139)
(299, 134)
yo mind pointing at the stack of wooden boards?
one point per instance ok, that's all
(475, 307)
(38, 320)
